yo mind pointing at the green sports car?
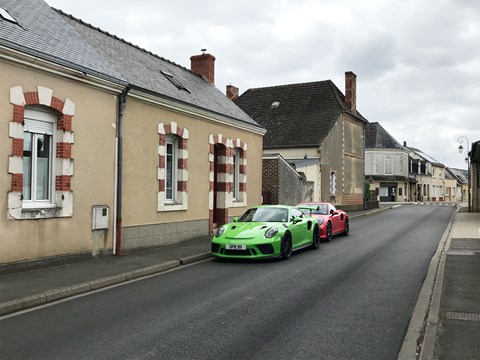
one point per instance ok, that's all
(265, 232)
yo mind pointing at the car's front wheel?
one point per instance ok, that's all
(286, 246)
(346, 229)
(316, 237)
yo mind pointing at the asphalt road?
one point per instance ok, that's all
(350, 299)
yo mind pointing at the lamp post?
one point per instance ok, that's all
(467, 160)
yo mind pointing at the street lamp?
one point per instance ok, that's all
(467, 160)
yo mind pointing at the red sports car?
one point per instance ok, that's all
(331, 220)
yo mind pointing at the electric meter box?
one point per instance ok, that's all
(99, 217)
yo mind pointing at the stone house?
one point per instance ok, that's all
(386, 166)
(461, 177)
(108, 147)
(317, 130)
(430, 176)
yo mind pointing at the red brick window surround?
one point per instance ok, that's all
(172, 167)
(56, 198)
(230, 189)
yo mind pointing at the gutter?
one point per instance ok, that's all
(122, 103)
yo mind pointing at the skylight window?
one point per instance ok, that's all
(6, 16)
(175, 82)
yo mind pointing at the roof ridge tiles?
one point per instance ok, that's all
(289, 85)
(118, 38)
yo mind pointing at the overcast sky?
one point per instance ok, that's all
(417, 62)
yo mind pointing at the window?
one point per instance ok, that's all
(236, 174)
(383, 191)
(170, 168)
(388, 166)
(333, 185)
(6, 16)
(38, 141)
(296, 213)
(175, 82)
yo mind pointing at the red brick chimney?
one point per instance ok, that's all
(204, 65)
(232, 92)
(351, 91)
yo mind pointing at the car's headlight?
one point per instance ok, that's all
(271, 232)
(220, 231)
(320, 221)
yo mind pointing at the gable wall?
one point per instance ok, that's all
(342, 153)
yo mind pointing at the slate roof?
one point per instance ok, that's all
(377, 137)
(459, 174)
(304, 116)
(41, 32)
(426, 157)
(52, 35)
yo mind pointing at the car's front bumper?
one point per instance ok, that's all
(252, 251)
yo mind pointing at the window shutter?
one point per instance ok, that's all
(38, 127)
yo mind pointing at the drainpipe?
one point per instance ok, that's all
(122, 103)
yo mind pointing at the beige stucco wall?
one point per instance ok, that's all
(92, 182)
(141, 161)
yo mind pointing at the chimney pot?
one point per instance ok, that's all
(232, 92)
(351, 91)
(204, 65)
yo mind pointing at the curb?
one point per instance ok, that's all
(52, 295)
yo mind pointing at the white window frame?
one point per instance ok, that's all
(38, 122)
(172, 141)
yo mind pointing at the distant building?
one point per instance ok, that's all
(387, 166)
(461, 188)
(429, 175)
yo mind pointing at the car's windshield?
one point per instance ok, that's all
(322, 209)
(265, 215)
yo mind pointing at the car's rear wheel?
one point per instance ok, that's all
(328, 236)
(316, 237)
(346, 229)
(286, 246)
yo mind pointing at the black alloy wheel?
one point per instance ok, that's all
(346, 229)
(316, 237)
(329, 232)
(286, 246)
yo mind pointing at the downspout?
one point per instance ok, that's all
(122, 103)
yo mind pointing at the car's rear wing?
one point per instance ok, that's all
(309, 207)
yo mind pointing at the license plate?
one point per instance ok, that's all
(235, 247)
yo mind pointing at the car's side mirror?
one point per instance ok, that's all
(331, 211)
(297, 219)
(235, 219)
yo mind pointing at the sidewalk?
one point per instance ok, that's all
(26, 289)
(450, 298)
(29, 288)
